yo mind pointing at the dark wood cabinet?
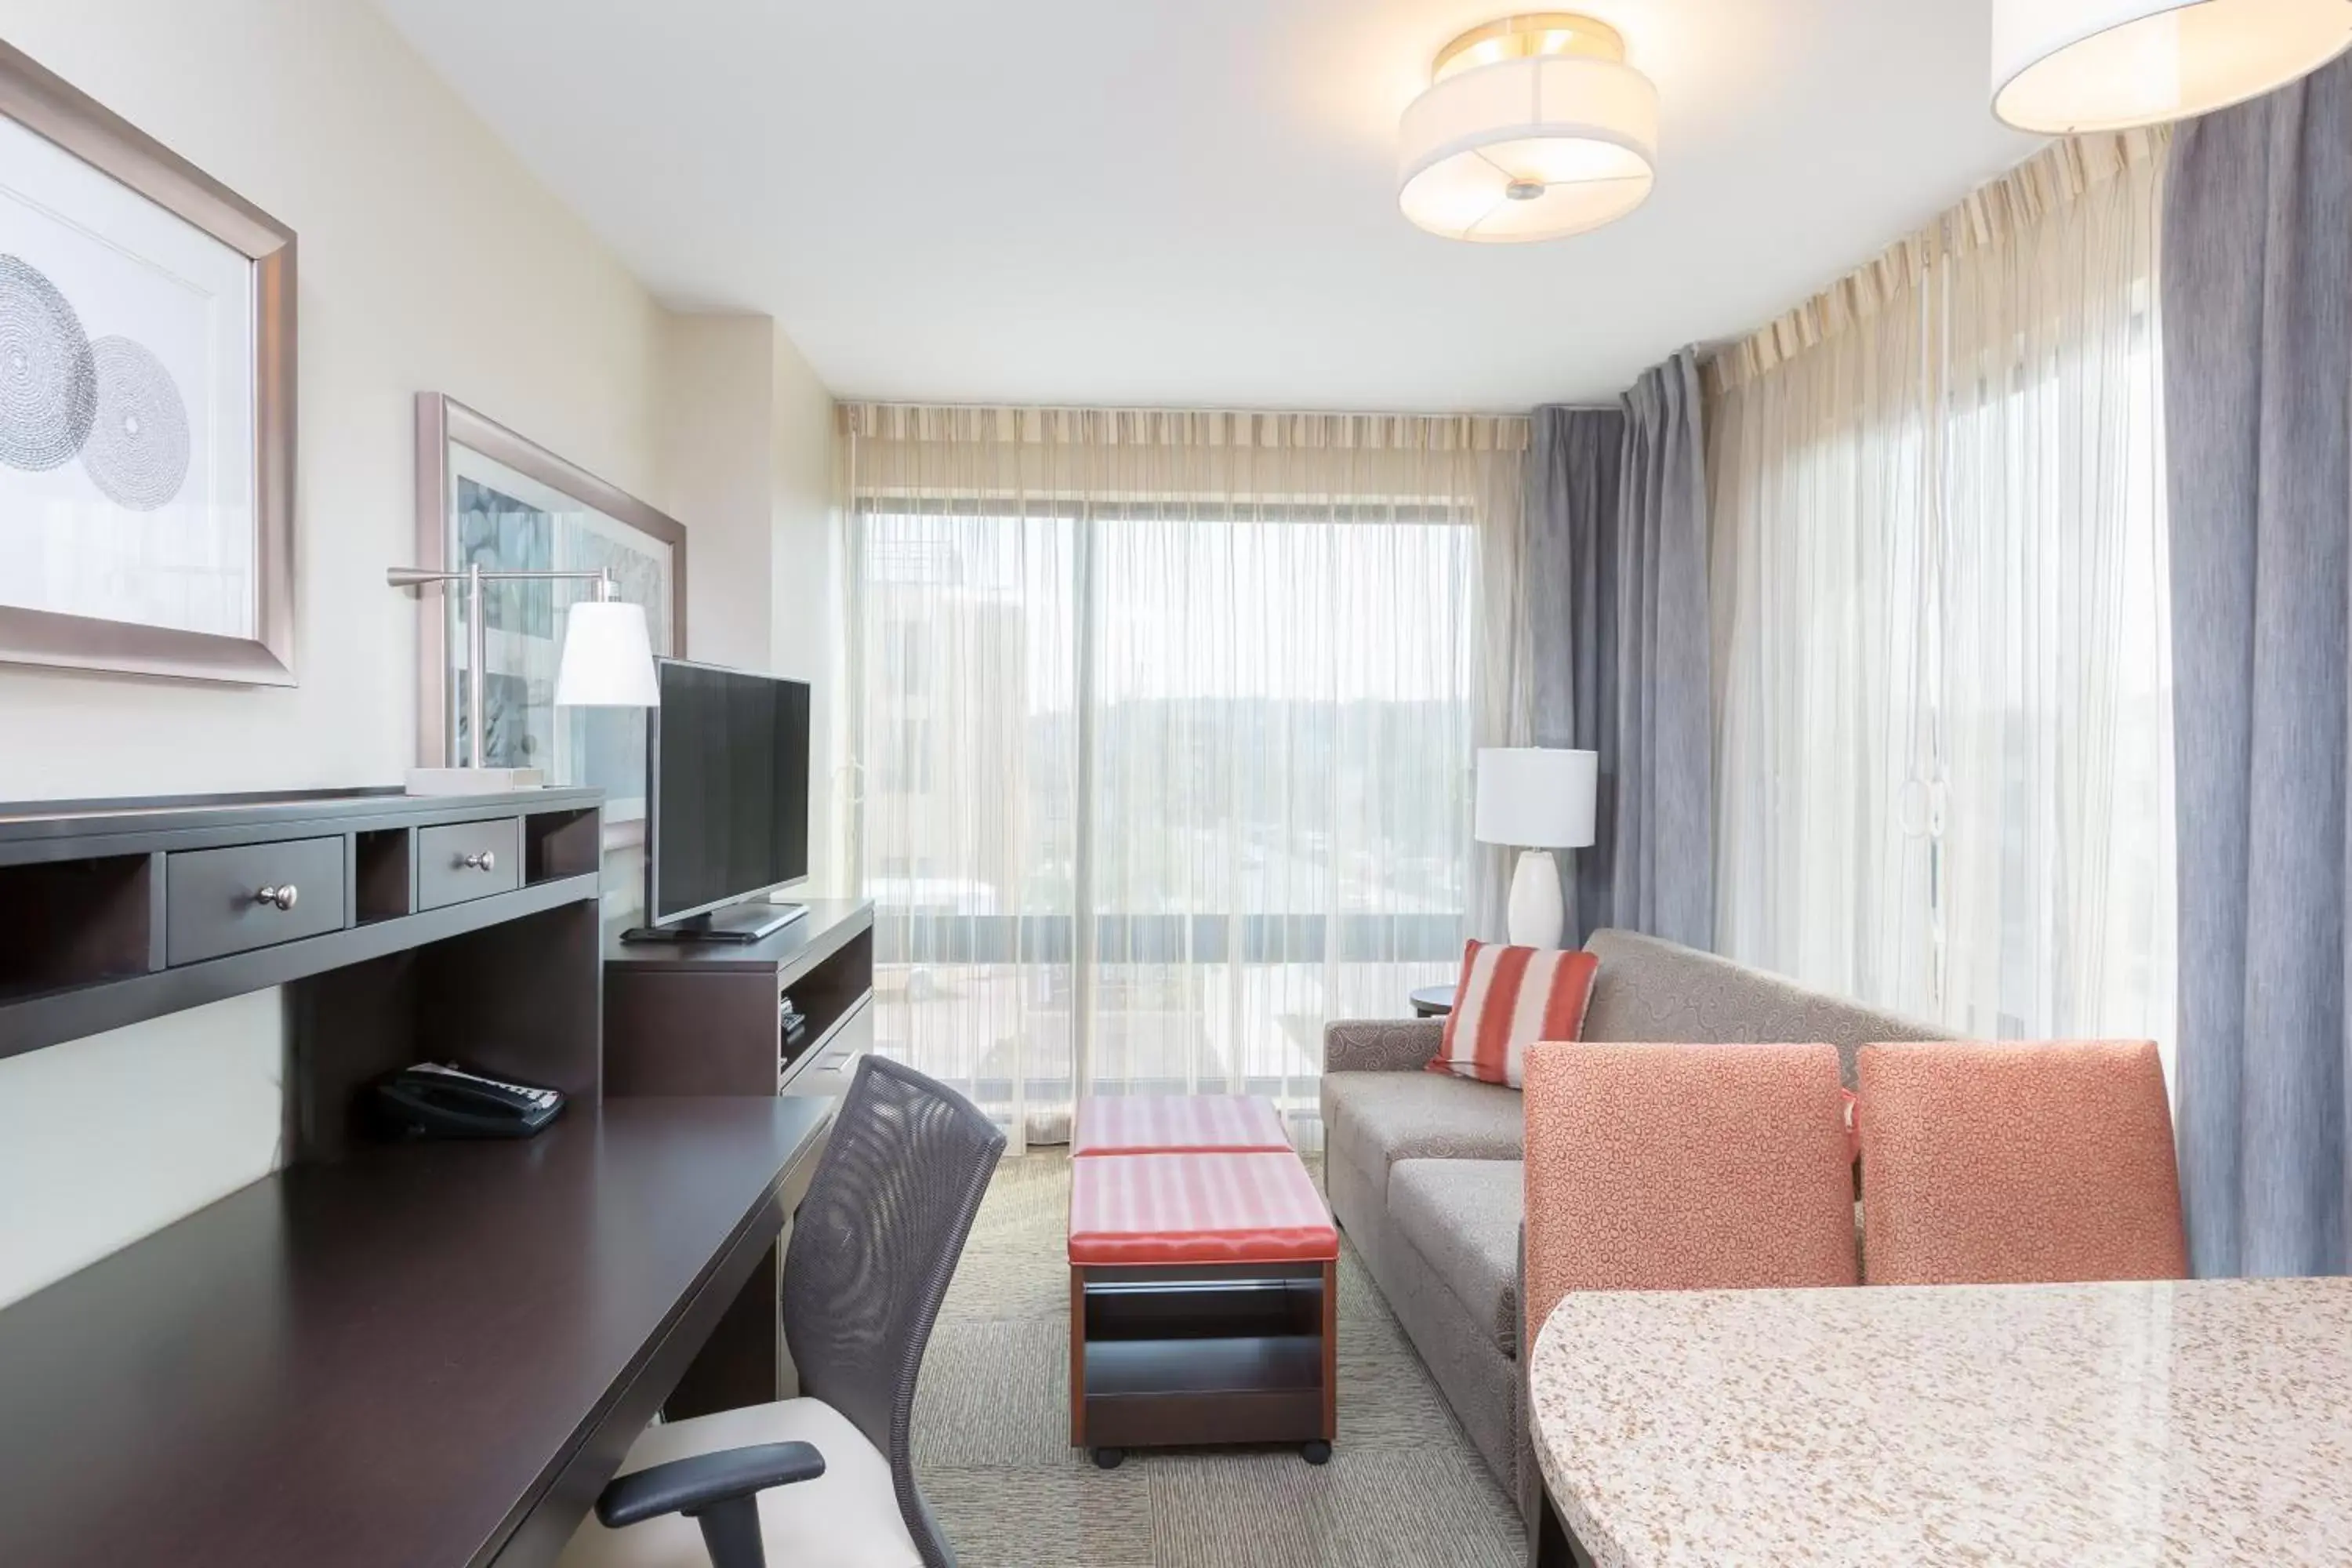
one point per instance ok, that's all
(461, 860)
(384, 1354)
(219, 902)
(708, 1017)
(112, 912)
(701, 1018)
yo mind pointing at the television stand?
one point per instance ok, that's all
(737, 923)
(708, 1017)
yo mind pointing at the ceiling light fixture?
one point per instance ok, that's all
(1533, 127)
(2064, 67)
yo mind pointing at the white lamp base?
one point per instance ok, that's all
(1536, 915)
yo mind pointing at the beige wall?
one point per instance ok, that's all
(716, 426)
(747, 454)
(808, 593)
(429, 260)
(745, 458)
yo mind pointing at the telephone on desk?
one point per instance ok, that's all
(431, 1100)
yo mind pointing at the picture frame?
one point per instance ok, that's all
(147, 342)
(486, 494)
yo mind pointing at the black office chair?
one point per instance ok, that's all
(873, 1247)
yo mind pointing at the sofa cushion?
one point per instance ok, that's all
(1374, 1118)
(1507, 999)
(1653, 990)
(1462, 1216)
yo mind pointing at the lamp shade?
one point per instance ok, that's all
(2061, 66)
(1529, 134)
(608, 659)
(1536, 797)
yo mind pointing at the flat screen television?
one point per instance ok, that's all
(727, 813)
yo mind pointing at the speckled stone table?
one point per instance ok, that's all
(2208, 1422)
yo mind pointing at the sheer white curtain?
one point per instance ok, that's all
(1944, 716)
(1163, 726)
(1819, 477)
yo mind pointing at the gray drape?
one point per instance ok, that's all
(2257, 295)
(1619, 634)
(1572, 558)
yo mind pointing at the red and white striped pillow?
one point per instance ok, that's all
(1508, 998)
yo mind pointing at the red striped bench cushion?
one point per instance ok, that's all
(1175, 1124)
(1198, 1208)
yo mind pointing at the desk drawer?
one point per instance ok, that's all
(837, 1064)
(467, 860)
(212, 905)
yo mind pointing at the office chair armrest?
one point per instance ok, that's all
(701, 1481)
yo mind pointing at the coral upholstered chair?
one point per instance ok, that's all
(2016, 1163)
(1668, 1167)
(1664, 1167)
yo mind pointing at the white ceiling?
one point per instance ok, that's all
(1192, 202)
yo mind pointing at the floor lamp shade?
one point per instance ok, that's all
(1538, 799)
(2066, 66)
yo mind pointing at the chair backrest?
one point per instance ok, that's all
(2017, 1162)
(873, 1246)
(1685, 1167)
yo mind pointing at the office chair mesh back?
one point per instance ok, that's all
(873, 1247)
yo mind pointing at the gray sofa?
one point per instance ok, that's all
(1422, 1168)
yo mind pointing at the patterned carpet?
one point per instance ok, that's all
(1403, 1490)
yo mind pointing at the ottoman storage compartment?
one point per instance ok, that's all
(1203, 1303)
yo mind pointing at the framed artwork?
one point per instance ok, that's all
(146, 402)
(487, 496)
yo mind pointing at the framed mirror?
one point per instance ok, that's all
(487, 495)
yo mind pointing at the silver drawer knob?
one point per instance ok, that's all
(485, 861)
(280, 898)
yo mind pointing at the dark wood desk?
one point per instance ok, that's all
(417, 1356)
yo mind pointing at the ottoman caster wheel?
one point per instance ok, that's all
(1318, 1452)
(1110, 1458)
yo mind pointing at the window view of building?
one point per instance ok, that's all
(1190, 788)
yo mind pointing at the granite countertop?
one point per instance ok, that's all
(2205, 1422)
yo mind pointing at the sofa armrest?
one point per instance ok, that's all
(1382, 1045)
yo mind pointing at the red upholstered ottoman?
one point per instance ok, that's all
(1203, 1303)
(1175, 1124)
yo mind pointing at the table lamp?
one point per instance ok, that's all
(1538, 799)
(607, 662)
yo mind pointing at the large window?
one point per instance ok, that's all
(1162, 729)
(1151, 787)
(1944, 712)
